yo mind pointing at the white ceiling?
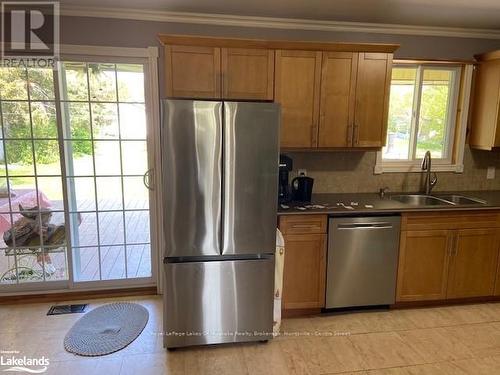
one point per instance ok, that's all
(479, 14)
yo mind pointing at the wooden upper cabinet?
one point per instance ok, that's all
(423, 265)
(297, 89)
(247, 73)
(338, 85)
(473, 265)
(332, 95)
(372, 99)
(485, 122)
(193, 72)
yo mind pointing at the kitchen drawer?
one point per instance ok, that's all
(450, 220)
(303, 224)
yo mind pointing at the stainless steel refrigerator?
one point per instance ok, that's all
(220, 181)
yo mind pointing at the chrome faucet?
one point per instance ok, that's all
(426, 166)
(382, 192)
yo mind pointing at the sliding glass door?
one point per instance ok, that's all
(105, 142)
(74, 176)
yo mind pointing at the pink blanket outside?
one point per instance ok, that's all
(25, 197)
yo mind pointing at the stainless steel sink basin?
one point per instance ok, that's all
(460, 199)
(420, 200)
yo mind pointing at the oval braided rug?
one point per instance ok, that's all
(106, 329)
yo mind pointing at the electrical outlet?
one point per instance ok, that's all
(302, 172)
(490, 174)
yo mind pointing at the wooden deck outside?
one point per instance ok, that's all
(113, 232)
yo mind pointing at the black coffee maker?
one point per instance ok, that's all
(284, 189)
(302, 187)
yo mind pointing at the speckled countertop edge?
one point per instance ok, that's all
(388, 206)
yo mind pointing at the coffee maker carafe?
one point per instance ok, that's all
(284, 189)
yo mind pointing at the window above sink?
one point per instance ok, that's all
(428, 111)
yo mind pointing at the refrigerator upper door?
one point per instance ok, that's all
(191, 172)
(250, 182)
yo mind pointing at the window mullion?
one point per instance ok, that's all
(63, 127)
(416, 112)
(452, 104)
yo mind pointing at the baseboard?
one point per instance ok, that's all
(445, 302)
(292, 313)
(78, 295)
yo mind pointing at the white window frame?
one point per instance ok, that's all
(455, 139)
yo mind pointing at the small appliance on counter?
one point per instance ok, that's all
(302, 189)
(284, 189)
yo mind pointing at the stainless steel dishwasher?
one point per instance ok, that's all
(362, 261)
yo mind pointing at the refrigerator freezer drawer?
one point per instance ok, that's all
(218, 302)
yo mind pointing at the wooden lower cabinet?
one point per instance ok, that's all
(473, 264)
(451, 262)
(423, 265)
(305, 271)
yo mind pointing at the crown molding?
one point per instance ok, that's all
(275, 23)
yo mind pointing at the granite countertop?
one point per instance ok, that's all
(371, 203)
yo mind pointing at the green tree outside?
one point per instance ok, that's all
(16, 113)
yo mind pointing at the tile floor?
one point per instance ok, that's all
(446, 340)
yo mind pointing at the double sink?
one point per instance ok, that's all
(437, 200)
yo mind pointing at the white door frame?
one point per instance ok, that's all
(149, 58)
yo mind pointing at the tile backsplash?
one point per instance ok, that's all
(349, 171)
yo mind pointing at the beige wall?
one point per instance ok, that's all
(343, 172)
(131, 33)
(334, 171)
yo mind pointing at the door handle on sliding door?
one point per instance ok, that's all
(148, 178)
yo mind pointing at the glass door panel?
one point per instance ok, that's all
(105, 140)
(32, 220)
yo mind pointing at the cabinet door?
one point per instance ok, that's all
(423, 265)
(193, 72)
(473, 263)
(372, 99)
(338, 84)
(304, 271)
(247, 73)
(297, 89)
(486, 106)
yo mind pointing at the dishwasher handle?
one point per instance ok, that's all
(381, 225)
